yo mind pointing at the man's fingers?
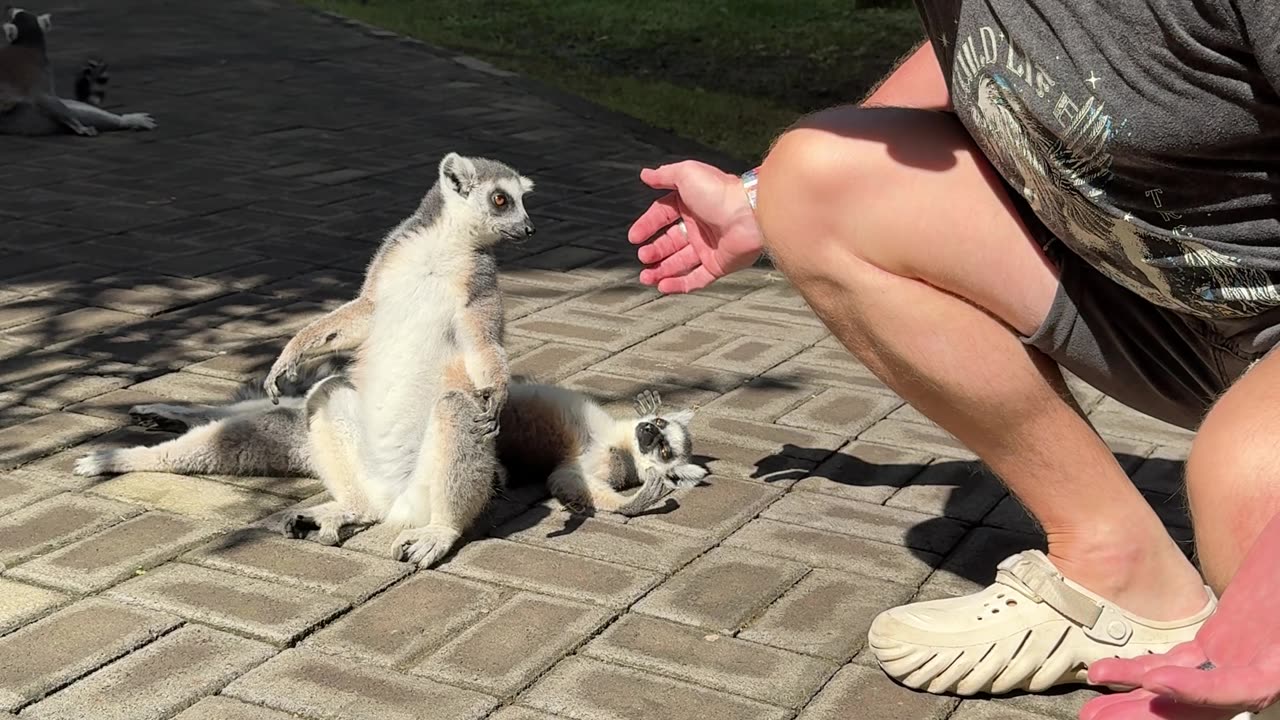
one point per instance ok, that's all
(699, 278)
(1106, 706)
(1128, 672)
(664, 246)
(660, 214)
(1236, 688)
(676, 265)
(664, 177)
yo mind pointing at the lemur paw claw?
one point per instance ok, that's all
(139, 121)
(298, 524)
(424, 546)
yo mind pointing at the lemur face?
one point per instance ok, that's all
(491, 194)
(664, 441)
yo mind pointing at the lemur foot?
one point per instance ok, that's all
(300, 524)
(686, 476)
(151, 417)
(425, 545)
(84, 130)
(98, 462)
(282, 367)
(139, 121)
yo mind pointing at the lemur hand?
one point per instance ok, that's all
(287, 365)
(491, 400)
(718, 235)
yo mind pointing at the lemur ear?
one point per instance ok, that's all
(10, 31)
(45, 21)
(458, 173)
(526, 185)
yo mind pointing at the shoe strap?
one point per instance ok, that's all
(1039, 580)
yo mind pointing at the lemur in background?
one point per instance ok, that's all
(29, 103)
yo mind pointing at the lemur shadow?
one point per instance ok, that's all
(985, 531)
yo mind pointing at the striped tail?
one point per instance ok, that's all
(91, 85)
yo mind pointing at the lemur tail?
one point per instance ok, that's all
(645, 497)
(91, 85)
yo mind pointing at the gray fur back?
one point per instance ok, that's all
(308, 375)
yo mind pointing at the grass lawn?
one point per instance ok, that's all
(728, 73)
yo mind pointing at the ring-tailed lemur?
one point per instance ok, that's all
(29, 103)
(549, 434)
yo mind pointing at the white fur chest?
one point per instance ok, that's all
(418, 298)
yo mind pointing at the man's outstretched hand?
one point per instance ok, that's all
(720, 235)
(1239, 647)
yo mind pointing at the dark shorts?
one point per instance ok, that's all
(1166, 364)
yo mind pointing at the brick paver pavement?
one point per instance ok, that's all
(173, 264)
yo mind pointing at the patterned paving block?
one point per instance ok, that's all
(396, 628)
(538, 569)
(714, 508)
(225, 708)
(55, 522)
(858, 691)
(514, 644)
(721, 590)
(670, 376)
(295, 488)
(842, 412)
(779, 330)
(989, 710)
(763, 400)
(617, 393)
(299, 563)
(865, 472)
(46, 435)
(21, 604)
(18, 490)
(117, 553)
(318, 686)
(874, 522)
(820, 548)
(583, 689)
(593, 328)
(682, 344)
(512, 712)
(191, 496)
(826, 614)
(271, 612)
(750, 355)
(833, 367)
(22, 366)
(70, 324)
(185, 387)
(159, 679)
(602, 540)
(962, 490)
(754, 671)
(552, 362)
(70, 643)
(914, 436)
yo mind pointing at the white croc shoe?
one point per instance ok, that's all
(1030, 630)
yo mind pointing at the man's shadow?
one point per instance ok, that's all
(991, 529)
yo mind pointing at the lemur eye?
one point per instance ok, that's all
(660, 423)
(666, 453)
(499, 199)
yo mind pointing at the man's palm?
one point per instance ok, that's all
(720, 235)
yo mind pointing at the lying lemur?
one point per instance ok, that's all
(411, 436)
(549, 433)
(29, 102)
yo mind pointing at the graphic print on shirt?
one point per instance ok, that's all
(1063, 173)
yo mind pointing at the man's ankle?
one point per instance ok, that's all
(1147, 576)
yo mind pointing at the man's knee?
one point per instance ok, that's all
(832, 177)
(1233, 482)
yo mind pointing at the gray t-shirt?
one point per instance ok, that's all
(1145, 134)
